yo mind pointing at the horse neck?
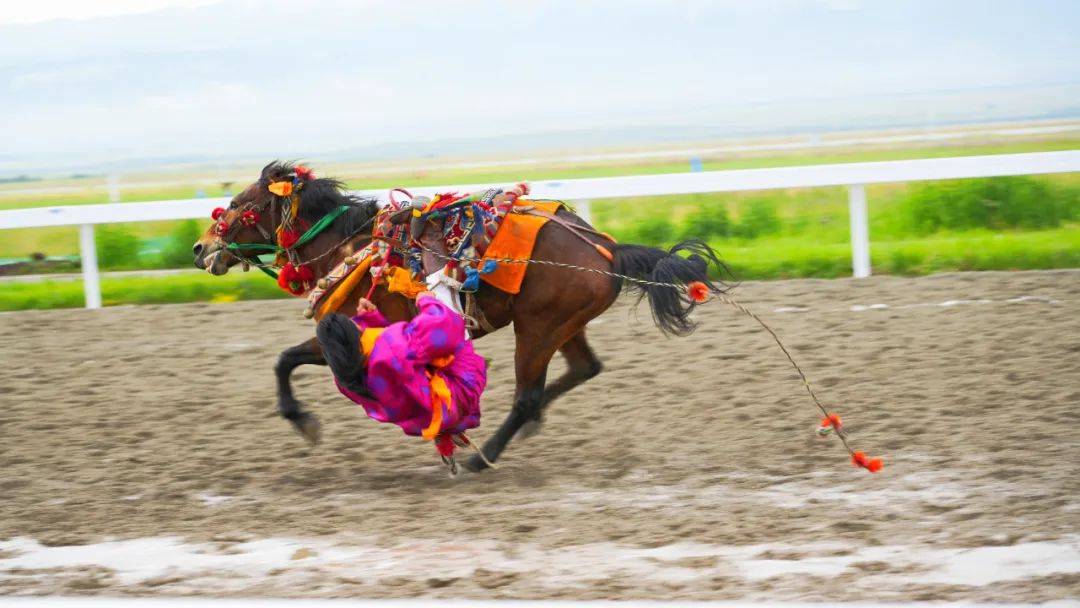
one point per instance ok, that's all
(319, 251)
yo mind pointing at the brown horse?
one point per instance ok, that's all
(549, 313)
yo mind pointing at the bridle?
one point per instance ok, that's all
(248, 215)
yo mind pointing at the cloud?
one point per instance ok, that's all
(47, 10)
(283, 77)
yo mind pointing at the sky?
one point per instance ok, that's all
(126, 80)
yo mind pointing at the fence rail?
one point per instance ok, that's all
(853, 175)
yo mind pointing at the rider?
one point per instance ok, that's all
(422, 375)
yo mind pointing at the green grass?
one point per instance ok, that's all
(763, 258)
(795, 257)
(195, 287)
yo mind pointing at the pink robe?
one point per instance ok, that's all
(398, 367)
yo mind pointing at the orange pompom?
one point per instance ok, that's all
(828, 423)
(698, 291)
(870, 464)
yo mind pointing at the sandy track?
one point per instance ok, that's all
(687, 469)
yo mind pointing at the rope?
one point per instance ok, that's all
(682, 289)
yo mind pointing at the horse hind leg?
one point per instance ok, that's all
(582, 365)
(532, 356)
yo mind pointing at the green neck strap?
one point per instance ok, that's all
(321, 225)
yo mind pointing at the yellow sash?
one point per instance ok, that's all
(368, 338)
(440, 397)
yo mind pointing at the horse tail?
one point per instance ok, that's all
(671, 308)
(340, 341)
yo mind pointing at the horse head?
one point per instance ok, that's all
(271, 214)
(251, 218)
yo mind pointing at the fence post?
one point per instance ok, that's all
(583, 210)
(860, 231)
(91, 280)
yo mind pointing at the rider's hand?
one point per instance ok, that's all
(364, 305)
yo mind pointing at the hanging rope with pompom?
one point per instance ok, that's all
(698, 292)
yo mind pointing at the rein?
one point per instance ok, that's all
(308, 235)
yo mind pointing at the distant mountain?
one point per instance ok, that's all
(385, 79)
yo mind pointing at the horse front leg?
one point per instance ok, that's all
(305, 423)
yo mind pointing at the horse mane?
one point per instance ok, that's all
(321, 196)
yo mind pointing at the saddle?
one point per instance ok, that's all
(450, 243)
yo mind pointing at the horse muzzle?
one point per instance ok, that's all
(212, 258)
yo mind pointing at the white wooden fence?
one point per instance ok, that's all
(853, 175)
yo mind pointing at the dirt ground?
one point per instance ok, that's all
(142, 454)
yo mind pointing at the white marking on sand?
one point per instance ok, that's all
(945, 304)
(209, 566)
(212, 500)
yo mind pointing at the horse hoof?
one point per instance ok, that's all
(309, 427)
(529, 429)
(474, 464)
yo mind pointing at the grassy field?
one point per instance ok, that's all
(767, 258)
(1009, 223)
(193, 287)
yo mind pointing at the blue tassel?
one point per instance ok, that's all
(490, 266)
(472, 280)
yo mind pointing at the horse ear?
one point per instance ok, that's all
(276, 171)
(267, 171)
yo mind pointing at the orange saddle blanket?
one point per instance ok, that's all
(515, 240)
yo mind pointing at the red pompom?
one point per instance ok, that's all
(249, 218)
(217, 212)
(288, 238)
(698, 291)
(221, 228)
(295, 279)
(860, 459)
(305, 273)
(832, 420)
(304, 173)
